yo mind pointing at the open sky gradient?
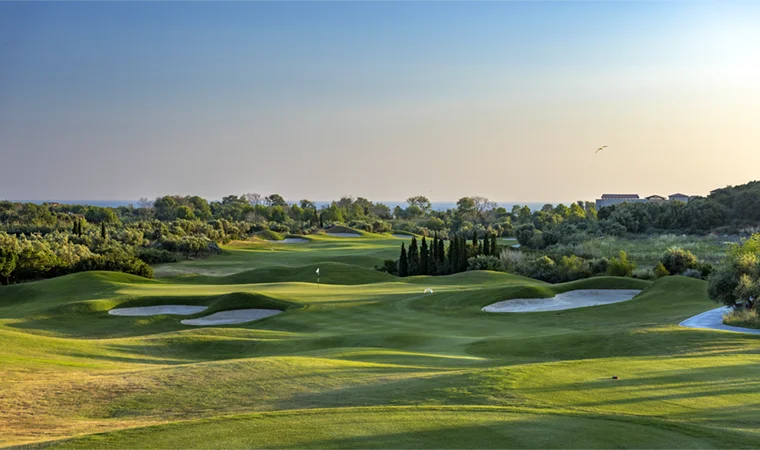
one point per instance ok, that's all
(383, 100)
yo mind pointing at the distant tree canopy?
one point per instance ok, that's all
(177, 224)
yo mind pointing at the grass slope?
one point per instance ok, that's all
(365, 359)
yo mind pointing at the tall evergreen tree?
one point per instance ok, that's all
(494, 249)
(452, 253)
(403, 263)
(434, 250)
(463, 255)
(414, 257)
(475, 242)
(424, 258)
(103, 231)
(486, 245)
(440, 251)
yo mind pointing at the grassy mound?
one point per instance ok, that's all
(90, 318)
(419, 427)
(269, 235)
(343, 229)
(330, 273)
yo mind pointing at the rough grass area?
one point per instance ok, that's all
(364, 359)
(746, 318)
(646, 251)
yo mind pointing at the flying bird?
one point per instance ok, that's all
(600, 149)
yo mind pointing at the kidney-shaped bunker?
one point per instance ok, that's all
(567, 300)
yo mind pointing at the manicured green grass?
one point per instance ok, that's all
(365, 359)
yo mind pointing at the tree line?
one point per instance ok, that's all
(438, 258)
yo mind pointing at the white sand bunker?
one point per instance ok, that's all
(179, 310)
(290, 241)
(232, 317)
(344, 234)
(567, 300)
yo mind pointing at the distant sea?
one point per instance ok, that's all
(438, 206)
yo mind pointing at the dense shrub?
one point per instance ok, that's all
(660, 270)
(621, 266)
(677, 260)
(737, 277)
(389, 266)
(513, 261)
(485, 262)
(644, 274)
(544, 269)
(155, 256)
(572, 267)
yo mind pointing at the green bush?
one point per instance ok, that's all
(737, 277)
(676, 260)
(660, 270)
(621, 266)
(485, 262)
(155, 256)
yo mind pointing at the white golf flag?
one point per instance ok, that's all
(317, 270)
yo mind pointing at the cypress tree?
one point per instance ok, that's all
(434, 250)
(403, 264)
(74, 229)
(414, 257)
(494, 249)
(452, 248)
(464, 255)
(440, 251)
(486, 245)
(424, 257)
(103, 232)
(321, 223)
(475, 242)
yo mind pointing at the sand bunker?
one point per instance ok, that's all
(344, 234)
(180, 310)
(290, 241)
(713, 320)
(567, 300)
(232, 317)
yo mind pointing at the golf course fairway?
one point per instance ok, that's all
(364, 359)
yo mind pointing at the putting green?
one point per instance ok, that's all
(365, 359)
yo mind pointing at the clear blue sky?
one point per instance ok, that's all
(384, 100)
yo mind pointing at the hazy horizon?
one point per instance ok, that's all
(506, 100)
